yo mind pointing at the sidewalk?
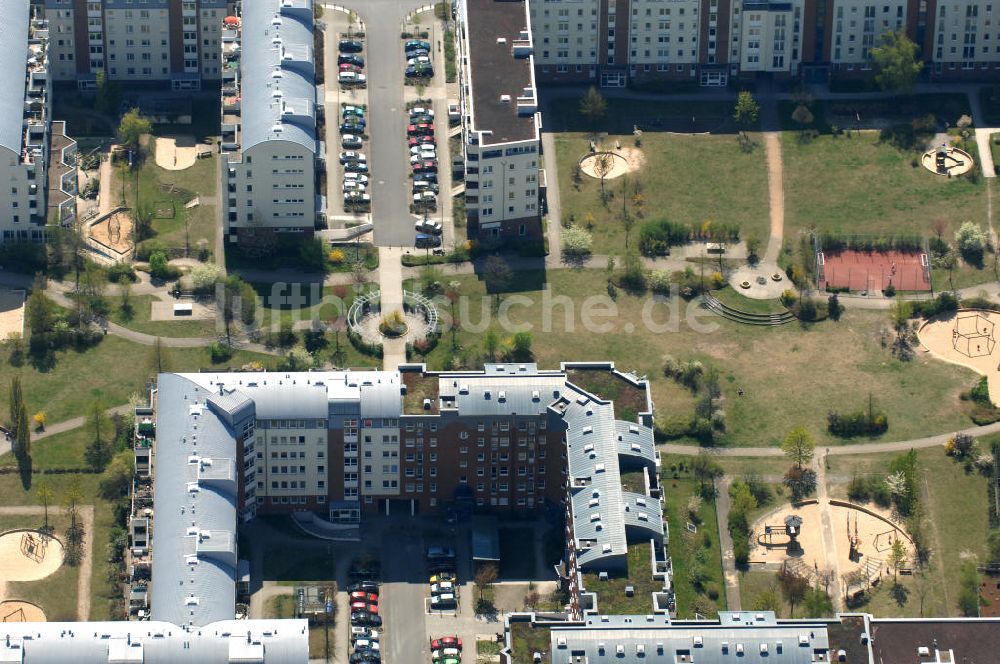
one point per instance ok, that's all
(390, 279)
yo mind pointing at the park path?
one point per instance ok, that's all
(827, 535)
(105, 193)
(729, 573)
(390, 281)
(86, 562)
(983, 133)
(775, 179)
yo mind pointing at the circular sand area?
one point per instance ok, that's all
(176, 153)
(17, 611)
(875, 531)
(45, 555)
(623, 161)
(967, 338)
(951, 161)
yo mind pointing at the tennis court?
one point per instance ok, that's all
(873, 271)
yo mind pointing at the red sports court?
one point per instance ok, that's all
(873, 271)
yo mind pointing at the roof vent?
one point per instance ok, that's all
(587, 430)
(504, 99)
(502, 395)
(501, 40)
(599, 468)
(534, 395)
(463, 389)
(595, 517)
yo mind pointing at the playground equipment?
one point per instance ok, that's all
(853, 540)
(947, 160)
(973, 335)
(33, 546)
(788, 534)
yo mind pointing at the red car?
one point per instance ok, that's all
(446, 642)
(422, 129)
(349, 67)
(420, 140)
(360, 596)
(362, 606)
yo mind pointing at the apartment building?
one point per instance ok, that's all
(38, 166)
(614, 42)
(270, 148)
(151, 41)
(501, 123)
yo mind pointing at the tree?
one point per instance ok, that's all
(39, 419)
(834, 307)
(767, 600)
(520, 346)
(98, 452)
(793, 587)
(491, 343)
(753, 248)
(16, 401)
(45, 495)
(159, 267)
(593, 107)
(817, 603)
(743, 502)
(133, 125)
(968, 593)
(603, 163)
(746, 111)
(497, 275)
(485, 577)
(40, 315)
(799, 446)
(897, 63)
(22, 447)
(705, 468)
(802, 116)
(532, 599)
(72, 496)
(972, 242)
(897, 557)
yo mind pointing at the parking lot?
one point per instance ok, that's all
(388, 61)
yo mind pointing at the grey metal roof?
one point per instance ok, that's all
(642, 511)
(380, 395)
(14, 18)
(194, 495)
(635, 440)
(155, 642)
(754, 637)
(277, 69)
(502, 393)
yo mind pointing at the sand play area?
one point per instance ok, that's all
(967, 338)
(16, 611)
(623, 161)
(27, 555)
(114, 231)
(872, 529)
(11, 313)
(176, 153)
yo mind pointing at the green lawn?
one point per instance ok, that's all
(55, 594)
(611, 596)
(755, 582)
(527, 640)
(170, 191)
(819, 367)
(685, 178)
(109, 373)
(64, 450)
(746, 304)
(861, 185)
(650, 116)
(995, 148)
(139, 319)
(685, 546)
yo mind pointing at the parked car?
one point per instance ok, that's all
(424, 157)
(421, 119)
(351, 78)
(420, 140)
(355, 111)
(421, 110)
(357, 198)
(371, 644)
(351, 46)
(362, 632)
(433, 178)
(447, 660)
(356, 167)
(349, 156)
(444, 600)
(425, 167)
(422, 129)
(348, 66)
(441, 588)
(428, 226)
(445, 652)
(414, 71)
(366, 619)
(425, 241)
(426, 198)
(419, 60)
(350, 127)
(352, 185)
(416, 43)
(446, 642)
(426, 185)
(351, 141)
(441, 576)
(366, 658)
(361, 179)
(350, 59)
(424, 147)
(360, 595)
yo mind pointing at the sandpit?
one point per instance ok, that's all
(623, 161)
(947, 160)
(176, 153)
(967, 338)
(114, 231)
(11, 313)
(17, 611)
(873, 527)
(28, 555)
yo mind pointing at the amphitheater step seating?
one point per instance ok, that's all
(713, 303)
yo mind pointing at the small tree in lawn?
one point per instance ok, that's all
(39, 419)
(799, 446)
(593, 107)
(802, 116)
(603, 163)
(897, 557)
(897, 62)
(98, 452)
(133, 125)
(485, 577)
(745, 113)
(497, 274)
(45, 495)
(793, 587)
(753, 248)
(705, 468)
(491, 343)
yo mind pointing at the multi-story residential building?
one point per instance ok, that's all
(501, 123)
(38, 170)
(271, 151)
(710, 41)
(175, 41)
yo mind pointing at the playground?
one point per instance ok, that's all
(947, 160)
(967, 338)
(622, 161)
(17, 611)
(871, 272)
(29, 555)
(11, 313)
(178, 153)
(793, 535)
(113, 233)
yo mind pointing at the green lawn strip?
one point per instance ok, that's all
(517, 553)
(64, 450)
(679, 181)
(624, 114)
(748, 305)
(823, 367)
(683, 548)
(611, 597)
(280, 606)
(140, 319)
(862, 185)
(527, 640)
(108, 372)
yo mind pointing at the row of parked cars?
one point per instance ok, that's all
(355, 163)
(441, 563)
(424, 162)
(350, 64)
(417, 54)
(366, 624)
(446, 650)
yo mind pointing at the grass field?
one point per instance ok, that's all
(64, 450)
(822, 367)
(142, 307)
(865, 186)
(172, 190)
(685, 547)
(748, 305)
(611, 597)
(680, 181)
(109, 373)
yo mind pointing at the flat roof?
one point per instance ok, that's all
(974, 641)
(495, 71)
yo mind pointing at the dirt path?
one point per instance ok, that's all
(87, 562)
(732, 579)
(827, 534)
(775, 179)
(107, 196)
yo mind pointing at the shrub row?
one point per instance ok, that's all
(658, 235)
(858, 423)
(364, 347)
(831, 242)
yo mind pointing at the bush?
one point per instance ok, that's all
(122, 273)
(741, 551)
(576, 242)
(858, 423)
(944, 303)
(658, 235)
(659, 281)
(980, 393)
(220, 352)
(158, 266)
(205, 276)
(336, 256)
(633, 275)
(972, 242)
